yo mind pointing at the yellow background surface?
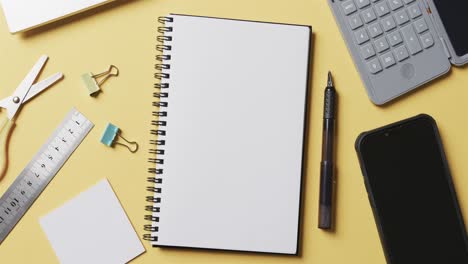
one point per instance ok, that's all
(124, 34)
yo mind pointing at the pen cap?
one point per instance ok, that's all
(329, 103)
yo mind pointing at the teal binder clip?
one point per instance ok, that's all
(109, 138)
(92, 82)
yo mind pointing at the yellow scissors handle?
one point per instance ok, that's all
(5, 128)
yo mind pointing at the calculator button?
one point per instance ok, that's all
(361, 36)
(367, 51)
(348, 7)
(395, 38)
(395, 4)
(401, 53)
(369, 15)
(375, 30)
(355, 22)
(408, 1)
(409, 35)
(401, 17)
(427, 40)
(381, 45)
(374, 66)
(362, 3)
(414, 11)
(382, 8)
(388, 60)
(388, 23)
(420, 25)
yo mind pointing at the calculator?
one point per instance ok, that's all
(399, 45)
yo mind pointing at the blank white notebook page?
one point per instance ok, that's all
(92, 228)
(234, 135)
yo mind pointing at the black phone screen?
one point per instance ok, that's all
(413, 194)
(454, 18)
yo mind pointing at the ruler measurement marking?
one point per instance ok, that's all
(38, 173)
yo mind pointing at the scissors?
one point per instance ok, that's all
(25, 91)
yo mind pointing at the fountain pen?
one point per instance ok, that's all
(327, 166)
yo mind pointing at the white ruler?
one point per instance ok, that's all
(41, 170)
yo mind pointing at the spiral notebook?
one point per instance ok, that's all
(230, 122)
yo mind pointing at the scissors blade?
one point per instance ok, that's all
(22, 90)
(42, 85)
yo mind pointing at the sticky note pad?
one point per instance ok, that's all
(92, 228)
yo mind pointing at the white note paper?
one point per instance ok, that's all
(92, 228)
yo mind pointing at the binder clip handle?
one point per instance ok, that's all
(133, 143)
(112, 71)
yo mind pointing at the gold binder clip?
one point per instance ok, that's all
(92, 81)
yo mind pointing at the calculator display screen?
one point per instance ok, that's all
(454, 17)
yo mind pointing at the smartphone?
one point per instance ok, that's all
(411, 192)
(453, 17)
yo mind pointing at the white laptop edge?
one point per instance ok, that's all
(20, 18)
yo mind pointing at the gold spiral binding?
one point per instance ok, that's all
(151, 218)
(158, 122)
(158, 132)
(155, 171)
(156, 153)
(154, 180)
(161, 85)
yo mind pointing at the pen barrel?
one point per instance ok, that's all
(329, 109)
(327, 165)
(328, 139)
(329, 115)
(326, 194)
